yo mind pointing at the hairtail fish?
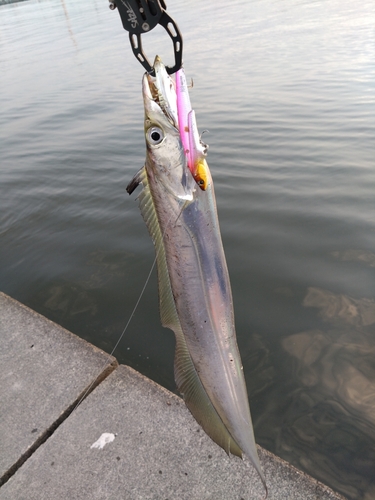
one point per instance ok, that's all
(194, 290)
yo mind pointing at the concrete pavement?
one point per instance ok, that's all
(129, 438)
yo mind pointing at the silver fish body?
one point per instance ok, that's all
(194, 289)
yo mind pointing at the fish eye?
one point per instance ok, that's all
(155, 135)
(201, 182)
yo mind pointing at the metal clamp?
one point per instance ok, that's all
(139, 17)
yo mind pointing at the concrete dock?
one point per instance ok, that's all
(129, 438)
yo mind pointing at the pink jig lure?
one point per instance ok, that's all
(195, 150)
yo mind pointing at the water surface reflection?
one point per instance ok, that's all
(335, 371)
(288, 96)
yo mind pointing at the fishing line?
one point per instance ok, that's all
(121, 336)
(86, 392)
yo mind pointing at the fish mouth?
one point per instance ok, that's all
(167, 102)
(160, 93)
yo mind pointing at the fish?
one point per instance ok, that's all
(195, 295)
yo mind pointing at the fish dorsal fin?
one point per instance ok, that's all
(168, 313)
(196, 399)
(186, 376)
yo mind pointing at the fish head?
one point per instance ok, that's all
(166, 160)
